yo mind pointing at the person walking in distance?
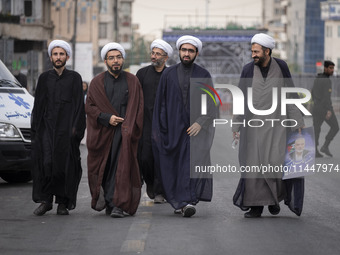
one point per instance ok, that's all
(323, 109)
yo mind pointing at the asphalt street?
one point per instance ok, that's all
(217, 228)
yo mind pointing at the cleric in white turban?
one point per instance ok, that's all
(61, 44)
(163, 45)
(264, 40)
(266, 144)
(189, 39)
(112, 46)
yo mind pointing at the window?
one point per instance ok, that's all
(83, 15)
(329, 31)
(6, 7)
(69, 22)
(28, 8)
(103, 6)
(102, 30)
(277, 11)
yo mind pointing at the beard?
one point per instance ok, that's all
(187, 62)
(259, 61)
(158, 63)
(59, 64)
(114, 69)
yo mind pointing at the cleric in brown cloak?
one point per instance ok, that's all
(114, 107)
(58, 124)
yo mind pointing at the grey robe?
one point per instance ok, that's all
(266, 144)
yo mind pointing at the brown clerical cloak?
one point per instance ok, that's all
(127, 190)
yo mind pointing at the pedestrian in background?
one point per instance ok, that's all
(58, 124)
(85, 89)
(22, 78)
(149, 78)
(265, 145)
(323, 108)
(114, 108)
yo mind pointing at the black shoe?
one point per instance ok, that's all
(274, 209)
(42, 209)
(188, 211)
(325, 150)
(108, 210)
(178, 211)
(149, 191)
(62, 210)
(318, 154)
(159, 199)
(117, 213)
(255, 212)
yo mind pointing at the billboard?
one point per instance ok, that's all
(330, 10)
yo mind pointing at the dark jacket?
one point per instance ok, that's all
(321, 94)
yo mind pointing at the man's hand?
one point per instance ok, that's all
(194, 129)
(236, 135)
(328, 115)
(300, 129)
(114, 120)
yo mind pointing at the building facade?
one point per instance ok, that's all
(330, 13)
(98, 22)
(305, 35)
(25, 29)
(274, 20)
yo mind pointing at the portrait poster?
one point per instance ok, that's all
(300, 153)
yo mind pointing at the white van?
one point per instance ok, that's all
(15, 129)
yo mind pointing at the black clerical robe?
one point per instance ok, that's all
(172, 145)
(58, 125)
(149, 79)
(117, 92)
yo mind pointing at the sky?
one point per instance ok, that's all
(152, 16)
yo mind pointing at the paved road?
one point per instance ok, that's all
(217, 228)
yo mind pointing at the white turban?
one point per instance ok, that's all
(61, 44)
(112, 46)
(264, 40)
(163, 45)
(189, 39)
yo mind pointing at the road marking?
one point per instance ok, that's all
(146, 203)
(138, 232)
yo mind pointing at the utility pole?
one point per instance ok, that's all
(207, 13)
(115, 13)
(74, 34)
(263, 13)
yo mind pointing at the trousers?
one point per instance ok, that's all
(318, 119)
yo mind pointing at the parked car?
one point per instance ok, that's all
(15, 129)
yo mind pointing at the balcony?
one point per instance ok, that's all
(25, 28)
